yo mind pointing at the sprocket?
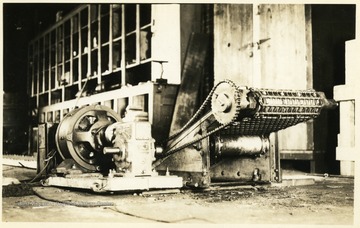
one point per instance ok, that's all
(225, 102)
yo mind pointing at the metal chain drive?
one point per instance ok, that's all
(202, 107)
(265, 111)
(225, 120)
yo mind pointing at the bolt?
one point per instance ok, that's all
(204, 173)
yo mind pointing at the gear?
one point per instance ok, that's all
(225, 102)
(225, 109)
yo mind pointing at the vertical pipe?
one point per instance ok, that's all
(357, 135)
(123, 65)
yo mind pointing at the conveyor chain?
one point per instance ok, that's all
(276, 110)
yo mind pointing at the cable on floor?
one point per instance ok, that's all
(157, 220)
(118, 211)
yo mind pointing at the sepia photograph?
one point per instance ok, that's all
(237, 113)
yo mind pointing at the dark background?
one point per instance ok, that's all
(21, 23)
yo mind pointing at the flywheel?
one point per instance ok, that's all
(79, 135)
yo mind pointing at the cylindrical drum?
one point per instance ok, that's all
(235, 145)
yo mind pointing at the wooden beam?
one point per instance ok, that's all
(186, 101)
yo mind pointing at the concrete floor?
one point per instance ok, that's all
(313, 200)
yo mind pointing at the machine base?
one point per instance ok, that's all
(108, 184)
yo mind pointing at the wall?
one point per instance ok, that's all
(233, 39)
(288, 46)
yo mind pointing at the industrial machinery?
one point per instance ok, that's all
(228, 139)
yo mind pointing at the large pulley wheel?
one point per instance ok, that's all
(78, 135)
(225, 102)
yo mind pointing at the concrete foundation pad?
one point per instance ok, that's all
(117, 183)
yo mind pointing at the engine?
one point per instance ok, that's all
(228, 138)
(102, 152)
